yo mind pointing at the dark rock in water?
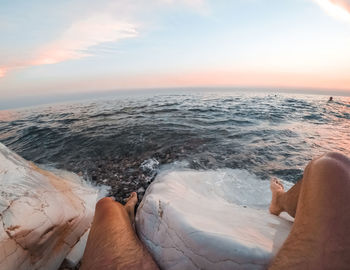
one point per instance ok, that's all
(126, 174)
(131, 172)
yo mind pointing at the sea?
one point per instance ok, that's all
(122, 141)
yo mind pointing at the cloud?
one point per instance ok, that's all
(339, 9)
(74, 43)
(109, 21)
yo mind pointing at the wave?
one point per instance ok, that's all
(108, 140)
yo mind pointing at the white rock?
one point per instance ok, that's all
(210, 220)
(43, 214)
(77, 252)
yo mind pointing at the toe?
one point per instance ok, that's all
(275, 184)
(279, 183)
(132, 198)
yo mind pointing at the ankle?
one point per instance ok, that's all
(276, 206)
(280, 200)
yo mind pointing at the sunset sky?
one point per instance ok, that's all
(60, 47)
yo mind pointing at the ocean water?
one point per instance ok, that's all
(122, 141)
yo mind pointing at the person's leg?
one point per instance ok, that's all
(320, 236)
(112, 241)
(284, 201)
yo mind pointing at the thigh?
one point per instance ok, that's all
(320, 237)
(112, 240)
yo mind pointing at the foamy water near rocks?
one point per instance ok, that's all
(43, 214)
(210, 220)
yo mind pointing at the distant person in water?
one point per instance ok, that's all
(319, 239)
(330, 99)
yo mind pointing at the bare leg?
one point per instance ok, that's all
(112, 242)
(284, 201)
(320, 237)
(130, 207)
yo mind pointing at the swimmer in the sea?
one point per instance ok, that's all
(330, 99)
(319, 239)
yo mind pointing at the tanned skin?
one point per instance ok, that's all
(319, 239)
(112, 242)
(320, 203)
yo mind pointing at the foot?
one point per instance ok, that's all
(277, 190)
(130, 206)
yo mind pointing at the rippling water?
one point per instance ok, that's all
(120, 141)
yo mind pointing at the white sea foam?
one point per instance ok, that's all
(149, 164)
(102, 190)
(150, 167)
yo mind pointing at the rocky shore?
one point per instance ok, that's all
(135, 173)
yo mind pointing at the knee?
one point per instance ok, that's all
(332, 166)
(338, 157)
(332, 160)
(106, 203)
(106, 208)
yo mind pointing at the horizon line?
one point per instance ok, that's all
(29, 101)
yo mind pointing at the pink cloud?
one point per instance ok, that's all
(115, 21)
(75, 42)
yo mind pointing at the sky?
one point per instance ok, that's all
(78, 46)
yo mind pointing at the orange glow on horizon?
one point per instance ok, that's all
(254, 79)
(231, 78)
(3, 71)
